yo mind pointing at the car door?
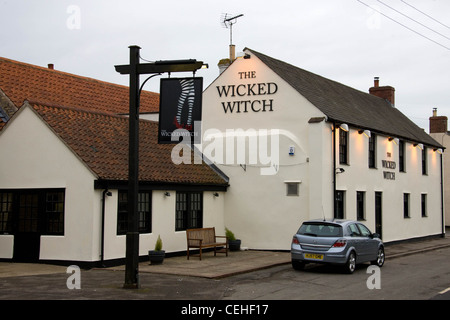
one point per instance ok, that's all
(355, 239)
(369, 245)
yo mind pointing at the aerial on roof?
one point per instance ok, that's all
(343, 104)
(100, 140)
(21, 81)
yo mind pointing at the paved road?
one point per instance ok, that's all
(416, 277)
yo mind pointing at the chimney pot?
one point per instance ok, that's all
(51, 66)
(376, 82)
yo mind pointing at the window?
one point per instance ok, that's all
(6, 213)
(354, 231)
(292, 188)
(343, 147)
(401, 157)
(339, 204)
(424, 205)
(39, 211)
(188, 210)
(360, 207)
(54, 212)
(372, 151)
(424, 161)
(364, 231)
(144, 209)
(406, 205)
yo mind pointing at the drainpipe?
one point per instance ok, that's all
(102, 254)
(334, 169)
(442, 199)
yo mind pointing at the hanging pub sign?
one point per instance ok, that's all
(180, 107)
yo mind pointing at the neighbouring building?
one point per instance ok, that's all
(438, 130)
(298, 146)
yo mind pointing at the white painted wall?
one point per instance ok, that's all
(163, 223)
(37, 158)
(257, 209)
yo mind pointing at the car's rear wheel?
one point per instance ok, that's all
(350, 266)
(380, 258)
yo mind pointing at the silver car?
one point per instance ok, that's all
(341, 242)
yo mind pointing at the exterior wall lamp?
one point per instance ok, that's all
(396, 140)
(419, 145)
(344, 127)
(167, 194)
(367, 133)
(440, 151)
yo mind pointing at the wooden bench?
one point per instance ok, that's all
(205, 238)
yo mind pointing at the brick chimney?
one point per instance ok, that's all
(51, 66)
(385, 92)
(438, 124)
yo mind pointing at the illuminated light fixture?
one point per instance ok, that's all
(367, 133)
(205, 66)
(396, 140)
(440, 151)
(419, 145)
(344, 127)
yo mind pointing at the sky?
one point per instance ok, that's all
(404, 42)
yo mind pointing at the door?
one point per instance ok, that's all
(378, 213)
(27, 236)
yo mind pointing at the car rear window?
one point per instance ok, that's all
(320, 230)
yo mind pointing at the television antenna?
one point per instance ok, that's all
(227, 21)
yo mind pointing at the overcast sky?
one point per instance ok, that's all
(405, 43)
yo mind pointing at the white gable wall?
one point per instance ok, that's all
(257, 208)
(38, 159)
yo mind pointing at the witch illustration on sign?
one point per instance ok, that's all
(180, 108)
(187, 96)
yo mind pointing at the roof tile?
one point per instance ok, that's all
(20, 81)
(101, 141)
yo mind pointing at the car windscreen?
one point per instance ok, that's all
(320, 229)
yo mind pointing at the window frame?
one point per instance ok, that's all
(406, 205)
(372, 156)
(188, 210)
(343, 147)
(144, 216)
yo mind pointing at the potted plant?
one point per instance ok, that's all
(157, 256)
(233, 243)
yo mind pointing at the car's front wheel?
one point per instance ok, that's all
(350, 266)
(298, 265)
(380, 258)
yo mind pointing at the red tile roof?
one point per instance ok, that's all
(20, 81)
(101, 142)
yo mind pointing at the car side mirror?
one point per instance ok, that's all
(375, 235)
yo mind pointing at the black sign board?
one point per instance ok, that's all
(180, 107)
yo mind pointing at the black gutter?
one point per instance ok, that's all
(334, 168)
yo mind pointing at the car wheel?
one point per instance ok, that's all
(380, 258)
(298, 265)
(350, 266)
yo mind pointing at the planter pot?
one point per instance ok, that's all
(234, 245)
(156, 257)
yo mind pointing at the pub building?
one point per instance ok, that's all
(280, 145)
(298, 146)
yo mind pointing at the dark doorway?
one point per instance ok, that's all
(378, 212)
(27, 236)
